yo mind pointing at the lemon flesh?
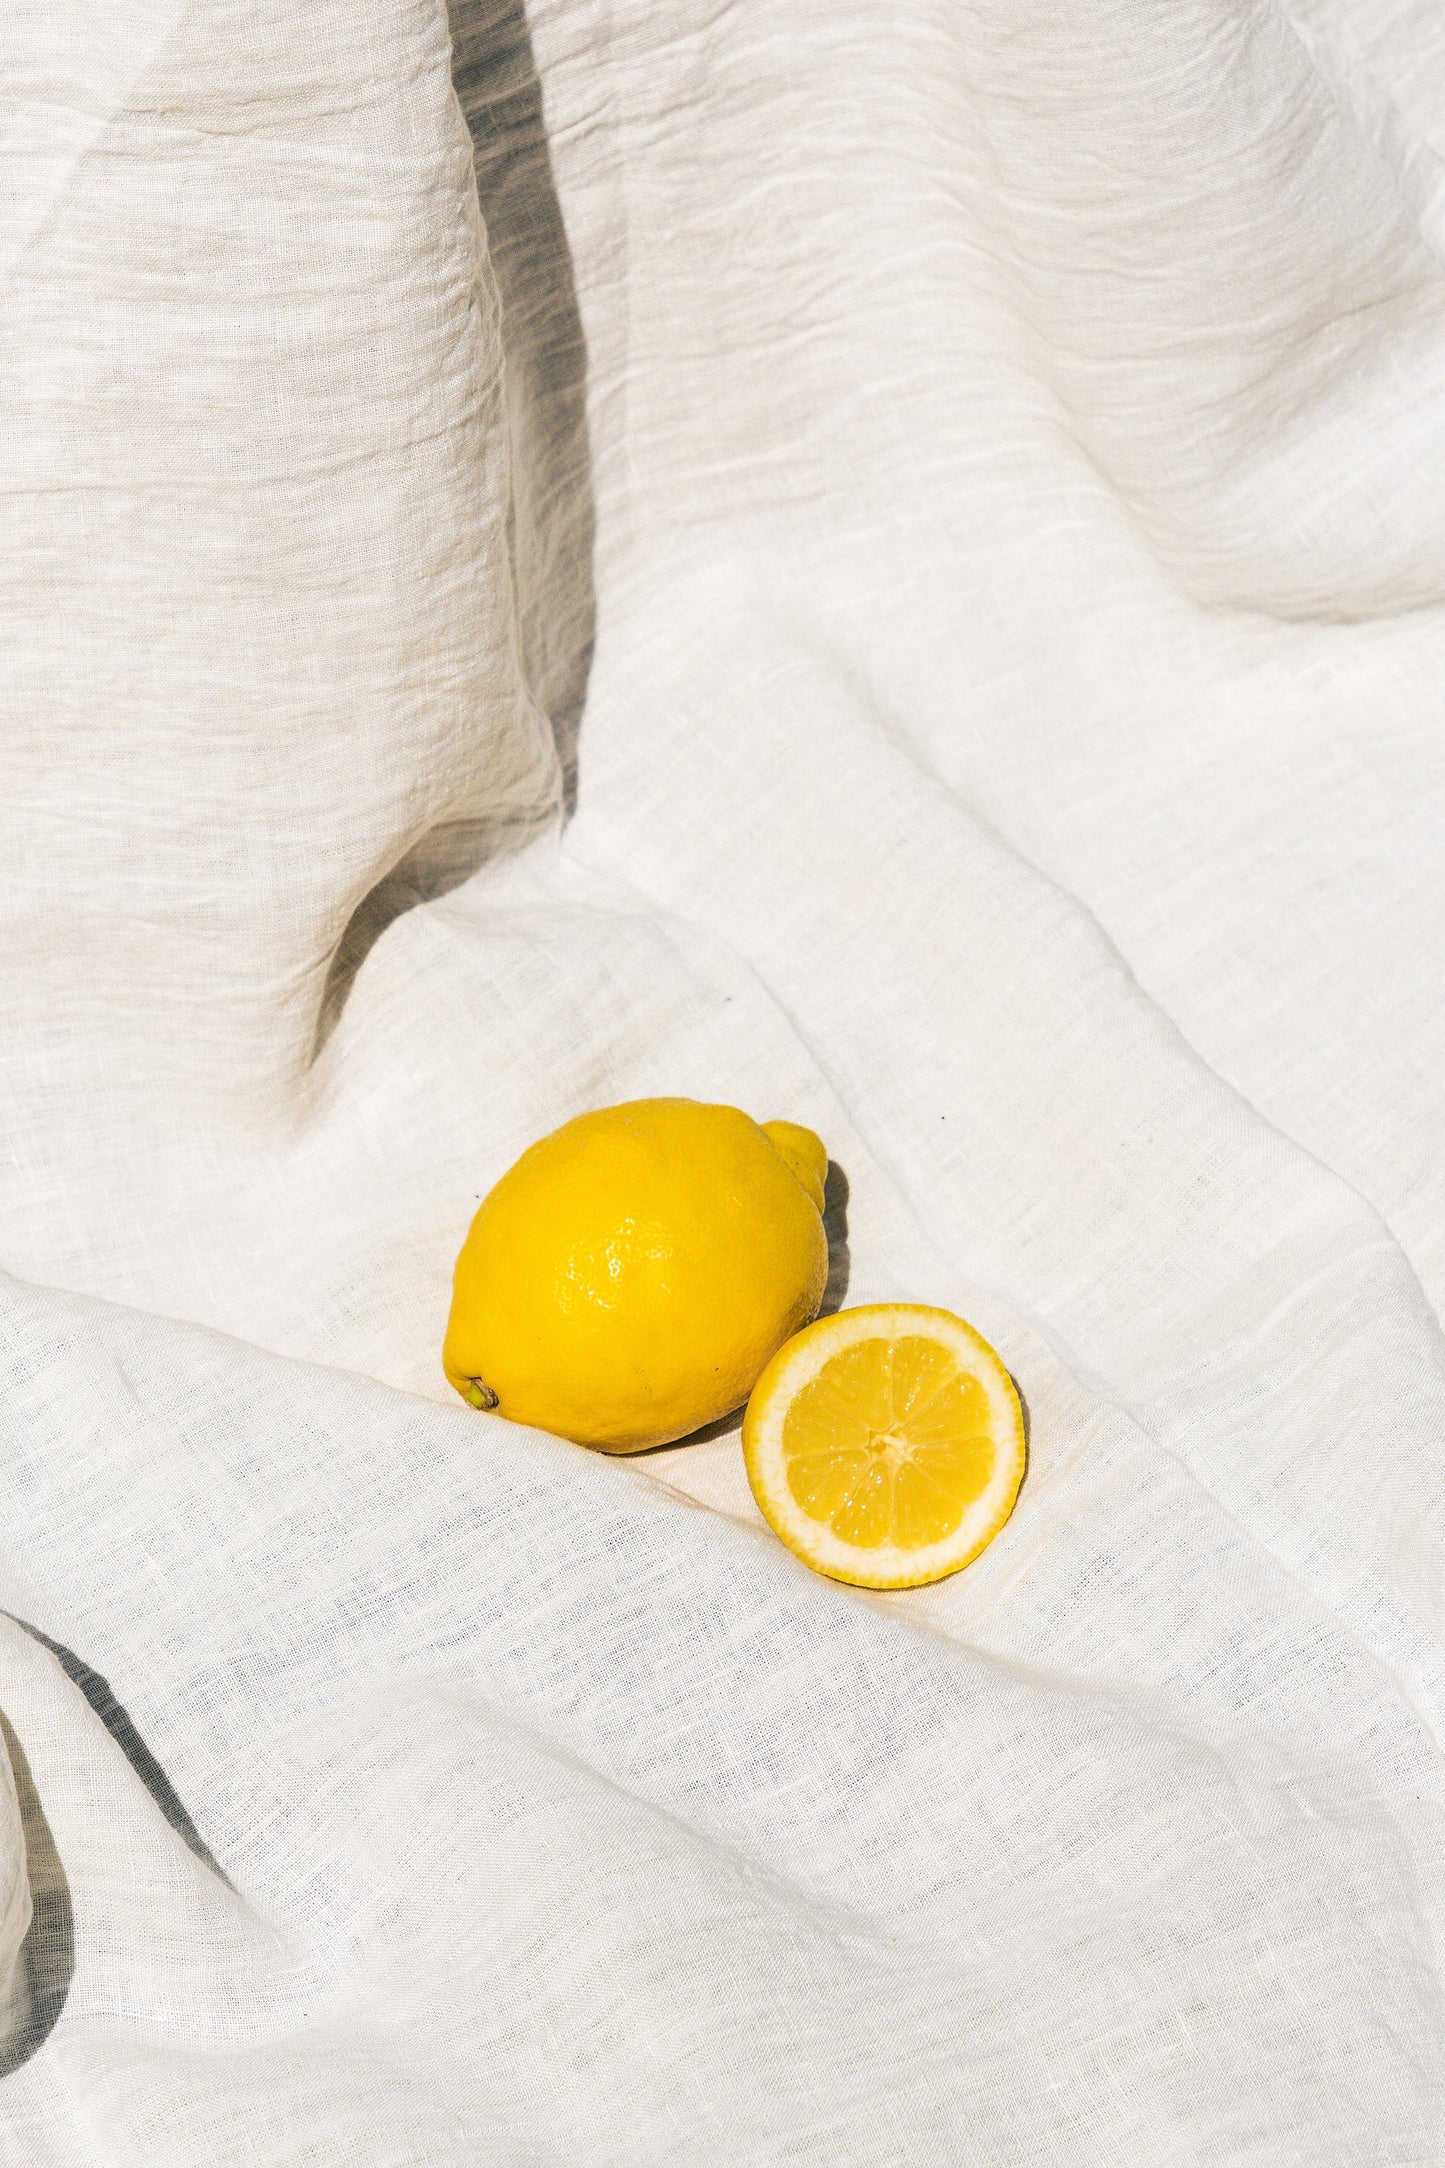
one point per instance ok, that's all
(629, 1278)
(885, 1446)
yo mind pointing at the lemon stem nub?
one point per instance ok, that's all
(480, 1394)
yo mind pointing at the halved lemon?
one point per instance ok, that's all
(885, 1445)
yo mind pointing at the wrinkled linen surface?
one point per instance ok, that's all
(997, 452)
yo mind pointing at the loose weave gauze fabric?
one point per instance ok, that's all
(886, 566)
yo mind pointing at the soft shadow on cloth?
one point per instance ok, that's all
(48, 1951)
(47, 1954)
(553, 518)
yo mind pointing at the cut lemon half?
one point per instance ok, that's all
(885, 1445)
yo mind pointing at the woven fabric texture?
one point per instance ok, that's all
(886, 566)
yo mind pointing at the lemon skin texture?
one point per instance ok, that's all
(804, 1152)
(628, 1280)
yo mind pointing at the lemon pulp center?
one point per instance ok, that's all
(890, 1442)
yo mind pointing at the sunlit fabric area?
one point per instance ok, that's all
(879, 568)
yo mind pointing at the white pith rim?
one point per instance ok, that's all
(884, 1565)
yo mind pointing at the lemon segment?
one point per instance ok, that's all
(885, 1445)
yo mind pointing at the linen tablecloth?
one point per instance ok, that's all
(887, 566)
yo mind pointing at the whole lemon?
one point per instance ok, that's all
(631, 1276)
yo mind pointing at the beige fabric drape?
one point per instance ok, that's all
(893, 575)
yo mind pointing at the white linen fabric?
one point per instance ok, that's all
(882, 565)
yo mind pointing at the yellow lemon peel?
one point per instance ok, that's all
(628, 1278)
